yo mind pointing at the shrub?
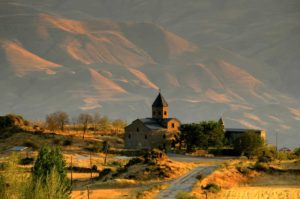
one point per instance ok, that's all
(31, 145)
(200, 176)
(115, 163)
(297, 152)
(212, 187)
(184, 195)
(134, 161)
(260, 166)
(26, 161)
(94, 168)
(48, 160)
(68, 142)
(104, 172)
(242, 169)
(96, 147)
(56, 141)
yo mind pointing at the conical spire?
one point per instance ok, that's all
(160, 101)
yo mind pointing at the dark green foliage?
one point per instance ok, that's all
(212, 187)
(297, 152)
(56, 141)
(26, 161)
(12, 120)
(104, 172)
(50, 158)
(95, 147)
(243, 169)
(200, 176)
(94, 168)
(248, 144)
(31, 144)
(260, 166)
(202, 135)
(68, 142)
(267, 154)
(134, 161)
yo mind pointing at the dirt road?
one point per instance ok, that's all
(184, 183)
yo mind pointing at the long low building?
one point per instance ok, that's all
(231, 134)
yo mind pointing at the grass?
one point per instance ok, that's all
(261, 193)
(184, 195)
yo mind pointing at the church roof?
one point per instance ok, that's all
(160, 101)
(152, 123)
(155, 124)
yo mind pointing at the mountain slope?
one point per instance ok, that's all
(113, 56)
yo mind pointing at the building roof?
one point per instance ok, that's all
(240, 130)
(155, 124)
(160, 101)
(151, 123)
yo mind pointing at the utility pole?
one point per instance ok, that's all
(91, 165)
(71, 170)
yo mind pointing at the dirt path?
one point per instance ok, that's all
(184, 183)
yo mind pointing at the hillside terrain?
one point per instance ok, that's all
(236, 59)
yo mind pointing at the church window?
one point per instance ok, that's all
(129, 136)
(165, 113)
(173, 125)
(146, 137)
(137, 129)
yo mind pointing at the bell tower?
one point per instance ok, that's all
(160, 108)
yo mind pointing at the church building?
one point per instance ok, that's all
(155, 132)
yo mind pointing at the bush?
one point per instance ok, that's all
(242, 169)
(104, 172)
(96, 147)
(26, 161)
(68, 142)
(134, 161)
(200, 176)
(31, 145)
(260, 166)
(184, 195)
(94, 168)
(297, 152)
(56, 141)
(50, 159)
(212, 187)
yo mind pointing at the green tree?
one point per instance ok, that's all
(49, 159)
(202, 135)
(249, 144)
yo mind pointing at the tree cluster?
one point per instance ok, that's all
(202, 135)
(84, 122)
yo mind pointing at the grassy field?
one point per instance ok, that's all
(253, 185)
(261, 193)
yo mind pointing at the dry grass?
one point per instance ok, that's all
(260, 193)
(104, 194)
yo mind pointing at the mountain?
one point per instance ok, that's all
(235, 59)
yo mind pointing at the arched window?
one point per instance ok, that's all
(173, 125)
(129, 136)
(165, 113)
(137, 130)
(164, 136)
(146, 137)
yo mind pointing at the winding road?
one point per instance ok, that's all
(185, 183)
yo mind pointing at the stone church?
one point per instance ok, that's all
(155, 132)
